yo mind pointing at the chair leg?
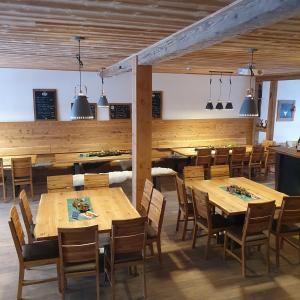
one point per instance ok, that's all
(14, 192)
(98, 285)
(112, 278)
(277, 250)
(4, 191)
(144, 281)
(268, 256)
(178, 219)
(184, 227)
(225, 245)
(243, 261)
(21, 280)
(158, 244)
(207, 246)
(195, 231)
(59, 278)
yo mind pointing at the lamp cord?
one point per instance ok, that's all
(220, 87)
(229, 94)
(210, 82)
(102, 80)
(80, 65)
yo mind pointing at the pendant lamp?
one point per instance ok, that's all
(249, 107)
(103, 99)
(229, 105)
(209, 105)
(81, 108)
(219, 105)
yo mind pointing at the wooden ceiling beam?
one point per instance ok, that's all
(238, 18)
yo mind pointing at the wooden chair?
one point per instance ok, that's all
(60, 183)
(236, 161)
(27, 216)
(259, 217)
(127, 249)
(95, 181)
(31, 255)
(221, 156)
(146, 198)
(204, 159)
(205, 218)
(193, 172)
(287, 224)
(2, 179)
(270, 161)
(185, 208)
(219, 171)
(255, 162)
(21, 173)
(155, 221)
(79, 254)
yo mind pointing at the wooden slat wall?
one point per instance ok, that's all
(18, 138)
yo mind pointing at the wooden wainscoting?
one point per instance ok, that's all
(42, 137)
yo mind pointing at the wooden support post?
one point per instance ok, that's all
(141, 128)
(271, 109)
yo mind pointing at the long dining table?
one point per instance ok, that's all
(232, 204)
(107, 203)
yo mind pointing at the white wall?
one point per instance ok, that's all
(184, 96)
(288, 130)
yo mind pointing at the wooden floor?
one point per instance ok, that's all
(184, 275)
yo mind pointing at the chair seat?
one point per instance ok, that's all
(151, 232)
(237, 233)
(40, 250)
(218, 221)
(294, 228)
(123, 257)
(82, 267)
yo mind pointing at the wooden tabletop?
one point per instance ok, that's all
(190, 151)
(108, 203)
(232, 204)
(289, 151)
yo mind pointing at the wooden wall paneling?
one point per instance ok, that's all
(271, 109)
(141, 129)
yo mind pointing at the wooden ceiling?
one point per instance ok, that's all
(39, 34)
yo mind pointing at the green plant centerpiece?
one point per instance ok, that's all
(81, 204)
(235, 189)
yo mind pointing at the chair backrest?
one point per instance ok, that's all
(238, 155)
(259, 217)
(95, 181)
(16, 231)
(202, 208)
(157, 210)
(270, 156)
(257, 154)
(60, 183)
(219, 171)
(1, 172)
(21, 167)
(78, 245)
(181, 192)
(128, 236)
(146, 198)
(26, 213)
(267, 143)
(221, 156)
(290, 211)
(203, 157)
(193, 172)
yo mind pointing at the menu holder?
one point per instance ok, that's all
(93, 107)
(157, 104)
(120, 111)
(44, 102)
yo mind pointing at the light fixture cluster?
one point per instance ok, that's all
(219, 105)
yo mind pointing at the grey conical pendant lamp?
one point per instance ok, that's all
(249, 107)
(81, 109)
(229, 105)
(103, 99)
(219, 105)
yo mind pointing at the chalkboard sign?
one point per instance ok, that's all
(120, 111)
(157, 105)
(93, 107)
(44, 102)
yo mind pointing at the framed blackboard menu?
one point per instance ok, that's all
(157, 105)
(44, 102)
(93, 107)
(120, 111)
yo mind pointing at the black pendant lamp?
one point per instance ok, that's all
(209, 105)
(103, 99)
(81, 108)
(249, 107)
(229, 105)
(219, 105)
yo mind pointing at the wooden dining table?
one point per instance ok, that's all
(232, 204)
(107, 203)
